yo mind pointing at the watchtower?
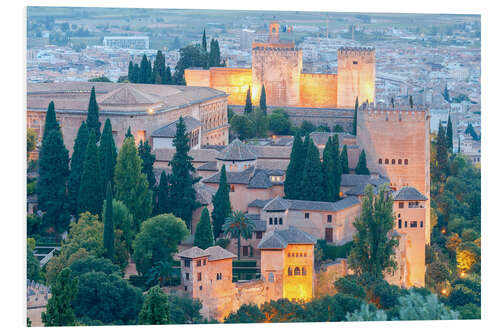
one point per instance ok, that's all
(274, 32)
(356, 76)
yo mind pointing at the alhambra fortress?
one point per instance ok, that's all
(395, 139)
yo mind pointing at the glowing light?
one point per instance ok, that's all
(443, 231)
(444, 292)
(462, 274)
(151, 111)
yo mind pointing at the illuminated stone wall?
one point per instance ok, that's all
(318, 90)
(298, 258)
(356, 76)
(325, 278)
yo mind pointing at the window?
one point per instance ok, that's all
(198, 263)
(185, 288)
(386, 161)
(401, 205)
(305, 254)
(289, 271)
(204, 262)
(421, 224)
(393, 161)
(231, 188)
(303, 271)
(270, 277)
(306, 216)
(413, 224)
(199, 276)
(187, 276)
(258, 235)
(400, 161)
(275, 220)
(219, 276)
(399, 224)
(201, 287)
(296, 271)
(406, 161)
(270, 221)
(399, 215)
(329, 219)
(245, 251)
(379, 161)
(281, 220)
(406, 224)
(413, 204)
(187, 263)
(355, 62)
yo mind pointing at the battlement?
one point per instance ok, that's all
(370, 107)
(276, 47)
(345, 50)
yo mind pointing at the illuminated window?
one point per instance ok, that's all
(303, 271)
(289, 271)
(296, 271)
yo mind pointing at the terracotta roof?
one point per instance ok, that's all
(169, 131)
(194, 252)
(408, 193)
(279, 239)
(237, 151)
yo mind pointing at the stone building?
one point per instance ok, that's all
(149, 110)
(278, 66)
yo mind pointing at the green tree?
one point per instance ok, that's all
(355, 118)
(367, 312)
(204, 236)
(246, 314)
(158, 240)
(122, 221)
(344, 160)
(332, 170)
(361, 168)
(373, 249)
(107, 153)
(51, 185)
(417, 307)
(162, 195)
(449, 134)
(441, 154)
(131, 73)
(214, 54)
(31, 138)
(238, 226)
(131, 185)
(59, 310)
(184, 310)
(168, 76)
(221, 203)
(101, 78)
(331, 308)
(109, 229)
(77, 161)
(261, 123)
(204, 41)
(248, 102)
(446, 94)
(282, 310)
(102, 297)
(295, 169)
(91, 190)
(159, 274)
(262, 101)
(279, 123)
(93, 122)
(145, 72)
(243, 126)
(312, 178)
(33, 266)
(93, 264)
(190, 56)
(148, 159)
(156, 309)
(159, 74)
(51, 122)
(182, 192)
(411, 101)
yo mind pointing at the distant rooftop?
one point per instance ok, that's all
(280, 239)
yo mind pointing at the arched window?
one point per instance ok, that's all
(406, 161)
(379, 161)
(289, 270)
(303, 271)
(386, 161)
(296, 271)
(393, 161)
(400, 161)
(270, 277)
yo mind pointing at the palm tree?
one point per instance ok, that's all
(159, 273)
(237, 225)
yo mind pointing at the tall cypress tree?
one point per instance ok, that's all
(204, 236)
(449, 133)
(51, 186)
(183, 194)
(168, 76)
(337, 167)
(328, 172)
(442, 152)
(361, 168)
(344, 160)
(107, 153)
(109, 229)
(158, 75)
(145, 70)
(312, 179)
(263, 102)
(248, 102)
(355, 119)
(131, 185)
(204, 41)
(50, 120)
(91, 190)
(77, 161)
(93, 122)
(148, 160)
(411, 101)
(221, 202)
(137, 73)
(130, 73)
(162, 195)
(128, 134)
(294, 171)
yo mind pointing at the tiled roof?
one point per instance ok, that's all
(321, 138)
(408, 193)
(279, 204)
(258, 203)
(213, 253)
(260, 179)
(237, 151)
(271, 152)
(351, 180)
(209, 166)
(204, 193)
(242, 177)
(168, 131)
(198, 155)
(252, 177)
(279, 239)
(194, 252)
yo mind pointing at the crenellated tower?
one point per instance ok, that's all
(356, 76)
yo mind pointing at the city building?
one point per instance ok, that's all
(126, 42)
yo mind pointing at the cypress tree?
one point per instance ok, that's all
(158, 75)
(91, 190)
(107, 153)
(312, 179)
(361, 168)
(131, 185)
(168, 76)
(263, 105)
(128, 134)
(446, 94)
(248, 102)
(216, 54)
(148, 160)
(295, 169)
(411, 101)
(328, 171)
(337, 168)
(51, 186)
(442, 152)
(392, 102)
(50, 121)
(59, 311)
(355, 118)
(449, 133)
(137, 73)
(162, 195)
(130, 74)
(204, 236)
(222, 204)
(204, 41)
(183, 194)
(109, 229)
(93, 122)
(77, 161)
(344, 160)
(145, 68)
